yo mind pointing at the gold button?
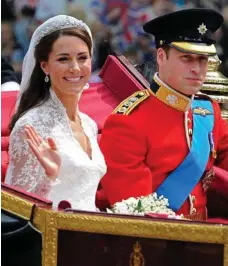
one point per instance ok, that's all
(214, 154)
(190, 131)
(122, 109)
(189, 120)
(133, 99)
(193, 210)
(141, 93)
(127, 104)
(193, 199)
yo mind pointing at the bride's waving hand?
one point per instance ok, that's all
(46, 152)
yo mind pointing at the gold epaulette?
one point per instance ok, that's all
(129, 104)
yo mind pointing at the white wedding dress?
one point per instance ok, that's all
(79, 175)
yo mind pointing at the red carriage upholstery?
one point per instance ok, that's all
(8, 106)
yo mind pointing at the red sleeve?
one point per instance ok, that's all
(124, 145)
(221, 131)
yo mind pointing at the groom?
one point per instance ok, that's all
(167, 138)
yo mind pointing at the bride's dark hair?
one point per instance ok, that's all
(37, 91)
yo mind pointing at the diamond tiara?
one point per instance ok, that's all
(58, 23)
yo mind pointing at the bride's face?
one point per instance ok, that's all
(68, 65)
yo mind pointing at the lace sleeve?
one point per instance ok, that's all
(24, 169)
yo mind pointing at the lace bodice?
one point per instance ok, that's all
(79, 175)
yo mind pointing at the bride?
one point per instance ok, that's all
(53, 146)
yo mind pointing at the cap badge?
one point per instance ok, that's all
(202, 29)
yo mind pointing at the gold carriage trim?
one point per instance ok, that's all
(17, 205)
(129, 104)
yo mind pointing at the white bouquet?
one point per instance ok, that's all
(143, 205)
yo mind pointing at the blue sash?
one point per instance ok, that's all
(180, 183)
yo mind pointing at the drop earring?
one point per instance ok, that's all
(46, 79)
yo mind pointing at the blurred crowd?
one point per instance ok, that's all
(116, 26)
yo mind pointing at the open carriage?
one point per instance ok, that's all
(72, 237)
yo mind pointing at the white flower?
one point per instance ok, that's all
(142, 205)
(109, 211)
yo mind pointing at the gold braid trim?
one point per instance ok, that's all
(129, 104)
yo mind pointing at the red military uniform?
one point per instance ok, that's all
(144, 141)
